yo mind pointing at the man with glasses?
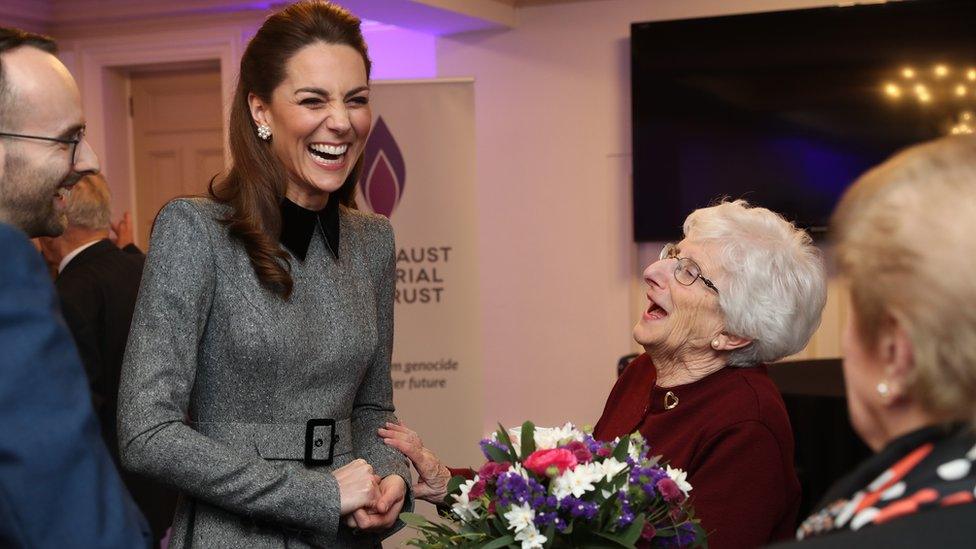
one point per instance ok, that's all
(58, 487)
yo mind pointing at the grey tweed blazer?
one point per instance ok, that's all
(221, 377)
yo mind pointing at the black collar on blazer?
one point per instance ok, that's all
(298, 225)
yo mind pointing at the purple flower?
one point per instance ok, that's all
(544, 519)
(626, 512)
(592, 444)
(579, 508)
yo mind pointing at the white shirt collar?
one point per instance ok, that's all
(74, 253)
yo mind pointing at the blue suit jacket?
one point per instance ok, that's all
(58, 486)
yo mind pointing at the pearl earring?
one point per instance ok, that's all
(715, 343)
(883, 389)
(264, 131)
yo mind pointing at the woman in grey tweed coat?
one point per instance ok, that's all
(258, 364)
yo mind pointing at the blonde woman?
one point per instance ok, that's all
(906, 243)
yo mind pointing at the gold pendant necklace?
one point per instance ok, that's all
(670, 400)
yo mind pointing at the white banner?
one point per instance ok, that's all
(419, 170)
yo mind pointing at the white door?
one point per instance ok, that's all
(177, 139)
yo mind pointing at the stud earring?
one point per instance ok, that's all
(715, 343)
(264, 131)
(883, 389)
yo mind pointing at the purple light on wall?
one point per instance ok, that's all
(398, 53)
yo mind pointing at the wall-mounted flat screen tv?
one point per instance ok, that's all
(786, 109)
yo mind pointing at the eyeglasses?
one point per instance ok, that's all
(687, 271)
(73, 141)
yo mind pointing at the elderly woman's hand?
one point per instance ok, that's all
(433, 475)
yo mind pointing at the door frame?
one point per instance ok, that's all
(101, 67)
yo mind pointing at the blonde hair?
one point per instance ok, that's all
(777, 285)
(906, 241)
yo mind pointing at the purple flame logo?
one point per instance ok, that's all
(384, 173)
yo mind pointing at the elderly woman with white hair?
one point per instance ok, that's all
(905, 236)
(742, 289)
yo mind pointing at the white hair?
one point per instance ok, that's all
(775, 287)
(89, 204)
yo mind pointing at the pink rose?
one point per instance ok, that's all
(579, 450)
(604, 452)
(490, 470)
(477, 489)
(649, 531)
(670, 491)
(544, 462)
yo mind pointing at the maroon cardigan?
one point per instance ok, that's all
(730, 432)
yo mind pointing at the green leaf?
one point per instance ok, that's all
(617, 540)
(627, 538)
(599, 540)
(550, 534)
(633, 532)
(507, 441)
(701, 536)
(620, 452)
(497, 455)
(528, 439)
(498, 543)
(454, 485)
(414, 519)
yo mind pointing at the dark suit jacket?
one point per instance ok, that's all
(58, 487)
(98, 290)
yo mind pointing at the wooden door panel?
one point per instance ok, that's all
(161, 167)
(206, 163)
(177, 124)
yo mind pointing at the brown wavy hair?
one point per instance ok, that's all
(256, 182)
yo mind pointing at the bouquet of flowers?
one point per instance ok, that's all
(560, 487)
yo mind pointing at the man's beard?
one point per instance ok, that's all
(28, 196)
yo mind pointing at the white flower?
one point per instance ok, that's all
(610, 467)
(635, 447)
(547, 438)
(530, 538)
(680, 478)
(520, 517)
(463, 507)
(577, 481)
